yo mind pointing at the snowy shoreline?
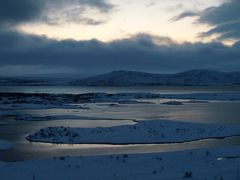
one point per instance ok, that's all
(143, 132)
(28, 117)
(146, 143)
(208, 163)
(217, 163)
(9, 101)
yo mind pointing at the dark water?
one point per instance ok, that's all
(220, 112)
(151, 89)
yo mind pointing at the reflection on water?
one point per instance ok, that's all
(29, 150)
(226, 112)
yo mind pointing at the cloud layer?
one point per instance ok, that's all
(13, 12)
(141, 52)
(29, 54)
(225, 20)
(184, 15)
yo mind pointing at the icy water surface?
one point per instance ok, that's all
(149, 89)
(226, 112)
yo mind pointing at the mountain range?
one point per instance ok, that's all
(187, 78)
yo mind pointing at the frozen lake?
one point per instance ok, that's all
(220, 112)
(92, 89)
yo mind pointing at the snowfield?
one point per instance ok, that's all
(78, 101)
(39, 105)
(4, 145)
(203, 96)
(197, 164)
(143, 132)
(28, 117)
(209, 164)
(173, 103)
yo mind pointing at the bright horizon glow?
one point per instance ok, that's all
(129, 18)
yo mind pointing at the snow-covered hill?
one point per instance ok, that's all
(187, 78)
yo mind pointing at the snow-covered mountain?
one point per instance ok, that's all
(187, 78)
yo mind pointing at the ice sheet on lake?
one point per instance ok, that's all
(4, 145)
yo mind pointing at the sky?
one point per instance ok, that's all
(79, 38)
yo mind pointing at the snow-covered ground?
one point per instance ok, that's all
(78, 101)
(43, 105)
(203, 96)
(4, 145)
(196, 101)
(173, 103)
(182, 102)
(28, 117)
(209, 164)
(151, 131)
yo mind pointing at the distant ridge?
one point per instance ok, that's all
(187, 78)
(21, 82)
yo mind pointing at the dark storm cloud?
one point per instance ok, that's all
(237, 44)
(230, 30)
(142, 52)
(12, 11)
(21, 11)
(225, 13)
(184, 15)
(225, 20)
